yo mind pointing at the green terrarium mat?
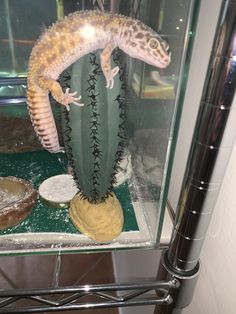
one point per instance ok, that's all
(49, 228)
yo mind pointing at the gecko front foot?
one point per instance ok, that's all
(70, 99)
(110, 77)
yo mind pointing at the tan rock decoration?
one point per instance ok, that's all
(101, 222)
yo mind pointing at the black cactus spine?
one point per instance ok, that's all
(94, 135)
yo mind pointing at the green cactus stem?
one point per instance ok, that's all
(94, 134)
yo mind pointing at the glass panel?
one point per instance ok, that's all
(21, 23)
(117, 143)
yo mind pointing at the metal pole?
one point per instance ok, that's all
(212, 143)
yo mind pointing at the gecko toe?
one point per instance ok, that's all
(77, 104)
(115, 71)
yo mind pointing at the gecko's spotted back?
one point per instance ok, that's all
(68, 40)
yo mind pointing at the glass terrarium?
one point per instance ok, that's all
(119, 145)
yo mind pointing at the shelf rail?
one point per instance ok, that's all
(87, 297)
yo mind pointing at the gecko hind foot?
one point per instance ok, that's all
(69, 98)
(110, 77)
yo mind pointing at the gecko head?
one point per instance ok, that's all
(157, 52)
(143, 43)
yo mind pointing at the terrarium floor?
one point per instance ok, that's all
(38, 166)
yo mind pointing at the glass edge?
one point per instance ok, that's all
(65, 251)
(186, 59)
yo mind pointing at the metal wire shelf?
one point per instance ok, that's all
(71, 297)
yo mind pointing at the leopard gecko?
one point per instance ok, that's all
(68, 40)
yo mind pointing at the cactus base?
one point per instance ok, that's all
(101, 222)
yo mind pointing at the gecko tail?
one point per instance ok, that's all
(43, 120)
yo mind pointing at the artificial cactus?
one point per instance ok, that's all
(94, 134)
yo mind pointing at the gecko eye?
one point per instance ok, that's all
(153, 43)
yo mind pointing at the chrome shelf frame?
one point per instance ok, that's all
(211, 147)
(71, 297)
